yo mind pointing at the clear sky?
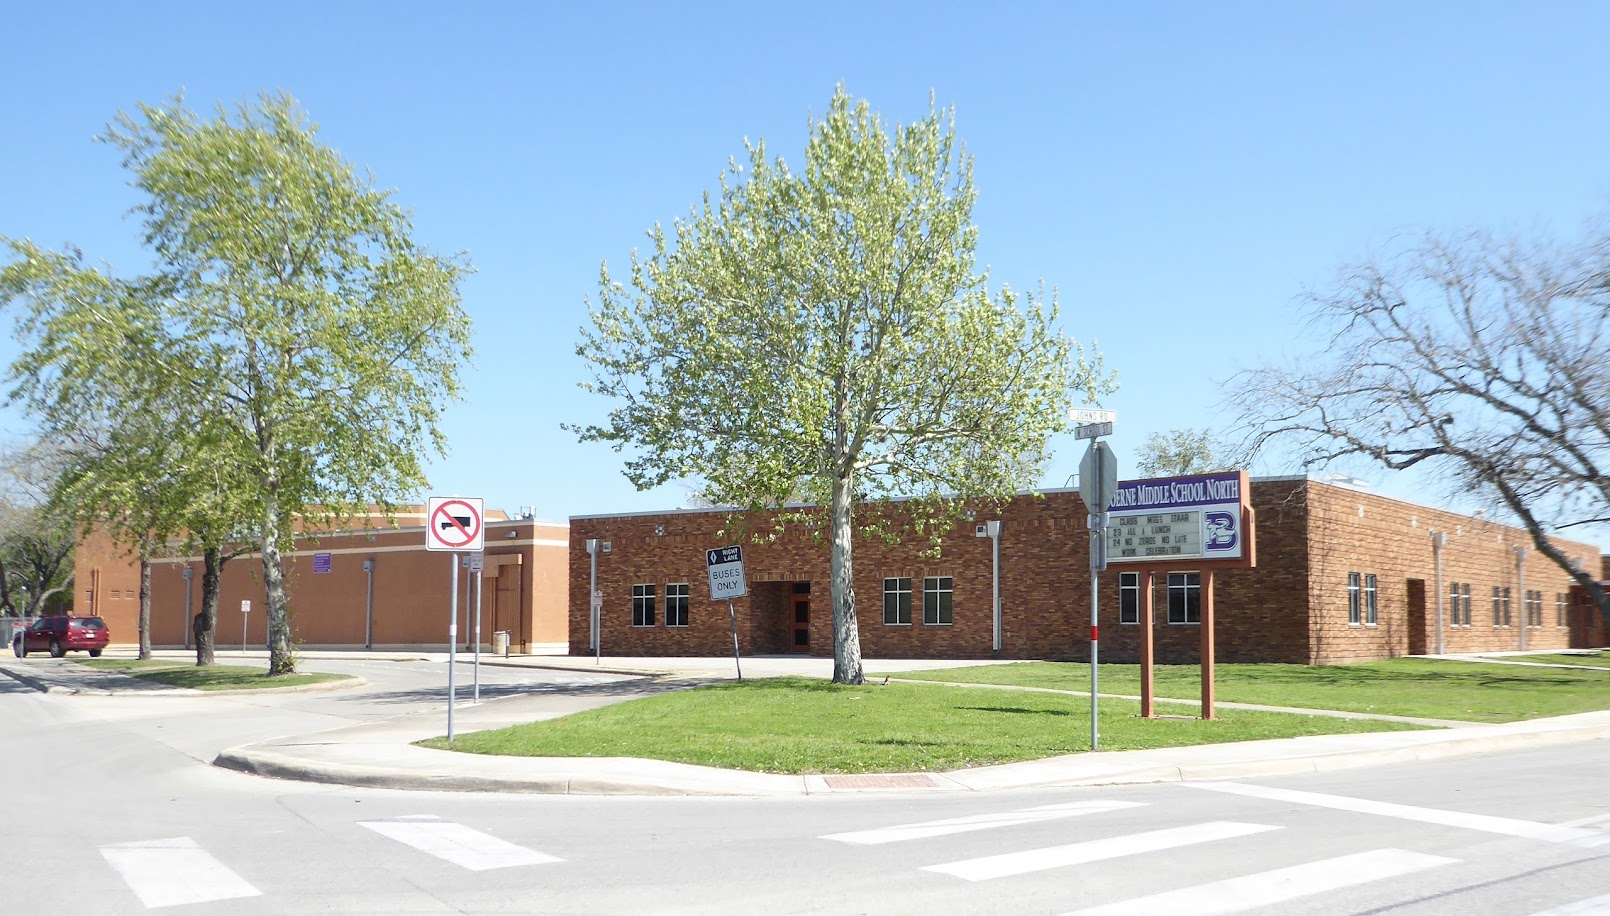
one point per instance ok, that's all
(1180, 172)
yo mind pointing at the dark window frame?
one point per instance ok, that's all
(901, 593)
(1184, 598)
(643, 599)
(676, 604)
(940, 593)
(1129, 598)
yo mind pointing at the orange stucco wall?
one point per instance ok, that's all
(523, 590)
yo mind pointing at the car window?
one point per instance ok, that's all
(42, 623)
(89, 623)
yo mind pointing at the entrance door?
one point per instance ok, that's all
(802, 619)
(1418, 638)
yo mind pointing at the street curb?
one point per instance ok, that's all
(268, 762)
(33, 683)
(163, 690)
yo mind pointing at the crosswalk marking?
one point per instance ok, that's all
(457, 843)
(174, 871)
(1555, 833)
(1234, 895)
(1018, 863)
(979, 822)
(1598, 906)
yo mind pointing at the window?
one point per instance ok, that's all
(1467, 604)
(1184, 598)
(1534, 608)
(897, 602)
(936, 595)
(1507, 620)
(1453, 604)
(676, 605)
(643, 605)
(1559, 609)
(1369, 600)
(1498, 608)
(1352, 599)
(1129, 597)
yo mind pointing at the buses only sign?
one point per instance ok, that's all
(726, 573)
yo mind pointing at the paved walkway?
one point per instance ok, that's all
(382, 754)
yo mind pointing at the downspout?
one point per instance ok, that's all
(369, 605)
(1438, 541)
(1520, 586)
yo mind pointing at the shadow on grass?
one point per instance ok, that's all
(1017, 710)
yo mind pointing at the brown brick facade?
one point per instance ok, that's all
(1294, 607)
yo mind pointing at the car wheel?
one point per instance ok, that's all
(56, 650)
(94, 653)
(18, 649)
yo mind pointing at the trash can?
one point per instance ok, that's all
(500, 643)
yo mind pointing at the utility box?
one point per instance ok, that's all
(500, 643)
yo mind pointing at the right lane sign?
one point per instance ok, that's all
(726, 573)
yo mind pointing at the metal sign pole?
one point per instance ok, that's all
(452, 649)
(733, 616)
(480, 580)
(1095, 552)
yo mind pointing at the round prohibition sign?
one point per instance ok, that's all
(456, 523)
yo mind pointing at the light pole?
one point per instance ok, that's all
(188, 574)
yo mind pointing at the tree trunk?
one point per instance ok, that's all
(280, 659)
(846, 632)
(145, 603)
(206, 625)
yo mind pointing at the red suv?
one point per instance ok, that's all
(62, 634)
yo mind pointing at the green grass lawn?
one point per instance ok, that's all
(212, 677)
(805, 725)
(1468, 691)
(1600, 659)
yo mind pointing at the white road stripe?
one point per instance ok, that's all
(457, 843)
(1585, 821)
(171, 872)
(1532, 830)
(979, 822)
(1018, 863)
(1234, 895)
(1598, 906)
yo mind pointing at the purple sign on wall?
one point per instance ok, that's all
(321, 562)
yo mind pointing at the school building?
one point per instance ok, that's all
(373, 585)
(1341, 575)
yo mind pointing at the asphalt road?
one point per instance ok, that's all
(113, 809)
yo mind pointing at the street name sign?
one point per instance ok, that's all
(1092, 430)
(726, 565)
(1083, 415)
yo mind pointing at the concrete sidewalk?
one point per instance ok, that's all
(382, 755)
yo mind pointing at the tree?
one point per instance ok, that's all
(1481, 358)
(1183, 451)
(290, 308)
(36, 542)
(825, 332)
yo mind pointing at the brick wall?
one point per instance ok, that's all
(1292, 608)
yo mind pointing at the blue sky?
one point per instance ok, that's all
(1179, 172)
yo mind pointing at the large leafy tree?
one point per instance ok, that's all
(1480, 359)
(1184, 451)
(292, 320)
(825, 333)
